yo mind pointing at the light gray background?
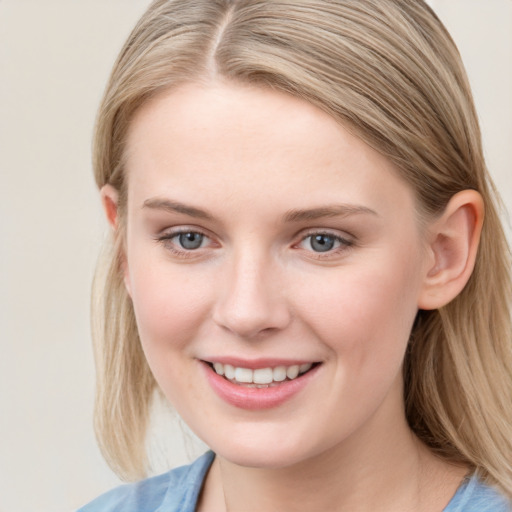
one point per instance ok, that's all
(55, 56)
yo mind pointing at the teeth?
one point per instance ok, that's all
(304, 367)
(229, 371)
(279, 373)
(262, 376)
(243, 375)
(292, 371)
(219, 368)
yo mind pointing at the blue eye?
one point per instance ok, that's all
(322, 243)
(325, 243)
(190, 240)
(186, 243)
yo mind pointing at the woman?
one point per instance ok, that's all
(307, 262)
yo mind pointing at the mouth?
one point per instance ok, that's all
(261, 378)
(266, 385)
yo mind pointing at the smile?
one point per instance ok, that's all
(265, 387)
(261, 377)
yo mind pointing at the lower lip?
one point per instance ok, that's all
(257, 398)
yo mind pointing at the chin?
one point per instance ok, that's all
(261, 459)
(264, 454)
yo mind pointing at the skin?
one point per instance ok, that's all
(256, 287)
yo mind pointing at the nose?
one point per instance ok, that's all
(251, 300)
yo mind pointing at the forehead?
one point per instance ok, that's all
(250, 141)
(238, 118)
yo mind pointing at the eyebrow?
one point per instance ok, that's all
(176, 207)
(341, 210)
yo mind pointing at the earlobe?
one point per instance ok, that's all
(109, 199)
(453, 245)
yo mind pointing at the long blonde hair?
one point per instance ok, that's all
(389, 70)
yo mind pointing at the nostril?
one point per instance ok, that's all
(252, 323)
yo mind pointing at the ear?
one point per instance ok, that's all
(452, 245)
(110, 201)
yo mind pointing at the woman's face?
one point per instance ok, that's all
(264, 240)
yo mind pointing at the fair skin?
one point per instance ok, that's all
(260, 233)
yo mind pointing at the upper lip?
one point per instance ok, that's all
(255, 364)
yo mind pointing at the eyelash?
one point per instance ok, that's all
(344, 244)
(167, 241)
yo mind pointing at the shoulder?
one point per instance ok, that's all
(176, 490)
(475, 496)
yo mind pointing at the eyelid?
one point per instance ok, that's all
(335, 233)
(346, 242)
(172, 231)
(165, 238)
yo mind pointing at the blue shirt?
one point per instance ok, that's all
(178, 491)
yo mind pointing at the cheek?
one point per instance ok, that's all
(169, 302)
(169, 309)
(365, 311)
